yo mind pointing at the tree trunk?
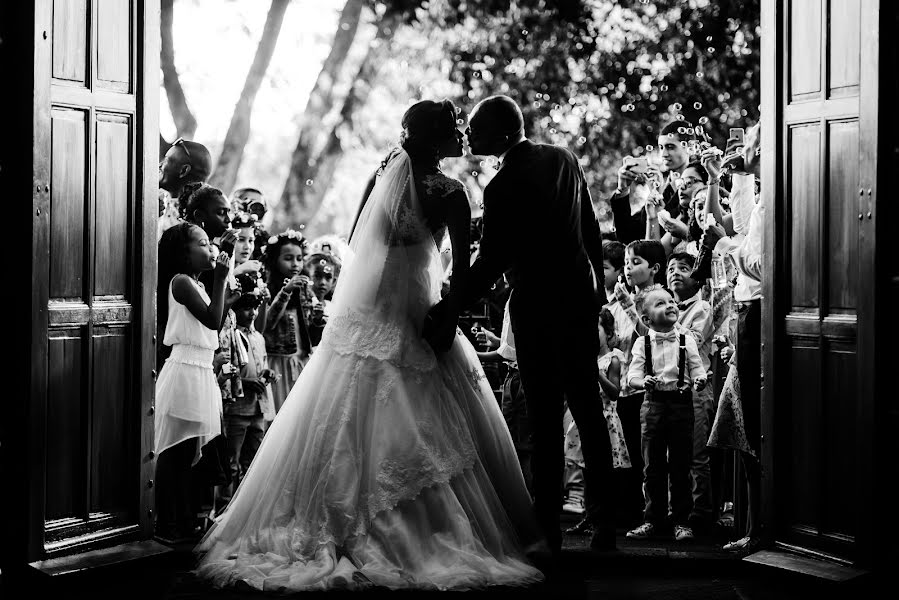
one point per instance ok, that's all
(319, 104)
(225, 173)
(303, 206)
(185, 123)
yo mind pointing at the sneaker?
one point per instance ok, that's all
(682, 533)
(745, 545)
(573, 507)
(646, 530)
(584, 527)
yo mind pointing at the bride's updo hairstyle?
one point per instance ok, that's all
(426, 126)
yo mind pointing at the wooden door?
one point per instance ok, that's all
(94, 253)
(819, 113)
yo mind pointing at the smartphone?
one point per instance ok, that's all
(637, 164)
(737, 133)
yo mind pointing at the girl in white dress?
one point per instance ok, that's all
(188, 400)
(388, 465)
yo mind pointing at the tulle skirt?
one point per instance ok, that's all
(389, 469)
(188, 399)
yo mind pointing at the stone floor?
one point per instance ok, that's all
(658, 569)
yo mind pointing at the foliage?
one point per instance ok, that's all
(602, 77)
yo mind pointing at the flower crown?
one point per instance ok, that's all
(290, 234)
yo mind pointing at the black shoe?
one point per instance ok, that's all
(584, 527)
(603, 540)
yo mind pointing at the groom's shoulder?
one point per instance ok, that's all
(555, 152)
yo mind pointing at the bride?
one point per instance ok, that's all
(387, 465)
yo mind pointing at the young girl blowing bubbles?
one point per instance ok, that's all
(188, 400)
(287, 340)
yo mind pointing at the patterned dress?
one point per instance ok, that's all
(620, 457)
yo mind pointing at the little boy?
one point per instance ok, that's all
(246, 413)
(664, 363)
(696, 318)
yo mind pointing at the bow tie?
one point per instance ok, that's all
(661, 338)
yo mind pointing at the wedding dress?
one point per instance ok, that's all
(387, 465)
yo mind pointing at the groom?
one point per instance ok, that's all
(538, 219)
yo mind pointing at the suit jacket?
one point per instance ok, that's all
(539, 221)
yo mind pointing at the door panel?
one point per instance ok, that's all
(65, 436)
(805, 167)
(805, 61)
(842, 239)
(67, 202)
(110, 421)
(111, 219)
(70, 35)
(114, 50)
(843, 64)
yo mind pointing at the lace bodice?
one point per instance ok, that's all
(435, 187)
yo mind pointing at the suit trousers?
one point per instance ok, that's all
(549, 378)
(667, 443)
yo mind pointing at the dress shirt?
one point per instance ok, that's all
(665, 355)
(749, 224)
(696, 318)
(624, 329)
(507, 338)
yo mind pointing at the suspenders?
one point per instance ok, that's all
(681, 358)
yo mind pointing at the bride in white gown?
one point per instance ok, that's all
(387, 465)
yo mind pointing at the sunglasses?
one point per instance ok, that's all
(180, 142)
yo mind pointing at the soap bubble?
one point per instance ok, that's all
(703, 120)
(664, 87)
(474, 173)
(700, 75)
(460, 122)
(697, 105)
(582, 139)
(649, 148)
(682, 130)
(678, 106)
(309, 182)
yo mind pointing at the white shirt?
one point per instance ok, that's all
(507, 338)
(665, 356)
(696, 318)
(749, 225)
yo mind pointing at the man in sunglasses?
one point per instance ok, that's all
(185, 162)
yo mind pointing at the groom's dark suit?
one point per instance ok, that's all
(539, 221)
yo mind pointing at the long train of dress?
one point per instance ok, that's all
(386, 466)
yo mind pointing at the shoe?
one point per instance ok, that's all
(644, 531)
(744, 545)
(573, 508)
(603, 540)
(584, 527)
(682, 533)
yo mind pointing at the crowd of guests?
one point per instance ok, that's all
(241, 311)
(679, 364)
